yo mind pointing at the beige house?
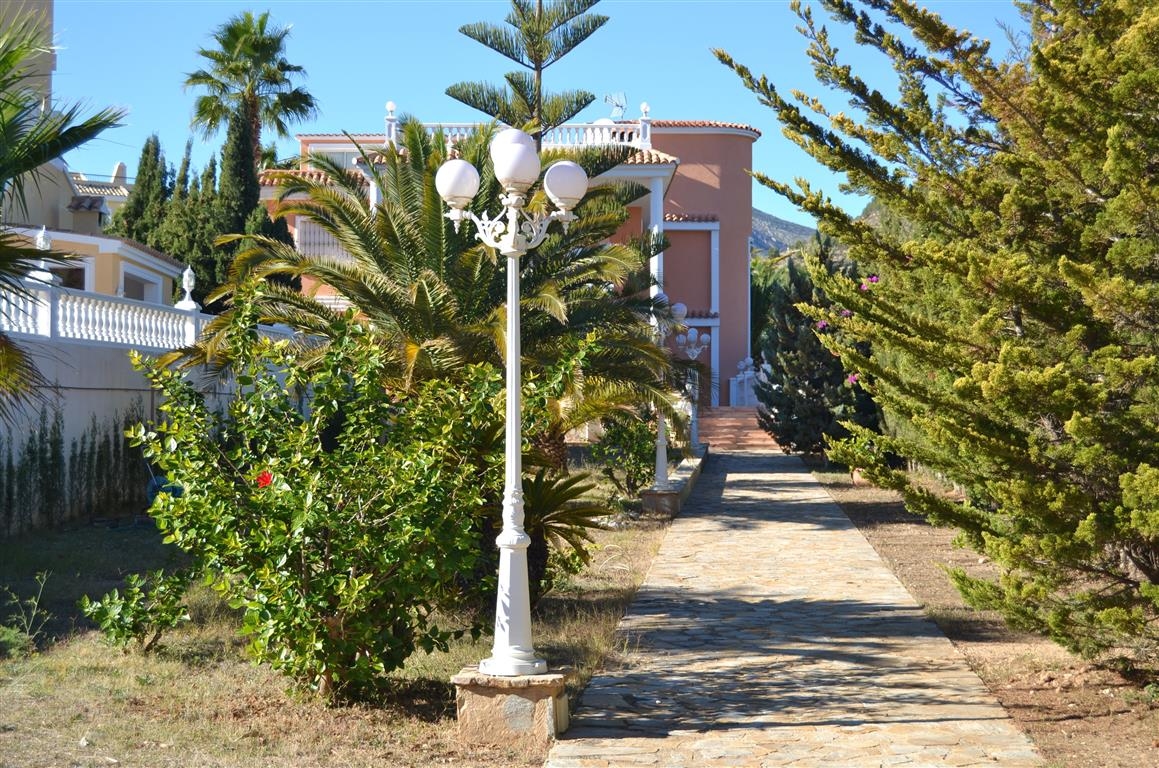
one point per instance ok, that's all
(67, 212)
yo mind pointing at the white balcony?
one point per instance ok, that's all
(50, 313)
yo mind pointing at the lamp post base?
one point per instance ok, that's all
(513, 665)
(506, 710)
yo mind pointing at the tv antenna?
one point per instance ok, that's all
(619, 102)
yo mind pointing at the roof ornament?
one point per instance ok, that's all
(391, 125)
(188, 281)
(645, 140)
(43, 240)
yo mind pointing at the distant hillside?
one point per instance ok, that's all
(771, 232)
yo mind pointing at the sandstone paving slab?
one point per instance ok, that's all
(769, 633)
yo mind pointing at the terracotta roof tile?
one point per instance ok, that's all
(702, 124)
(678, 217)
(651, 157)
(270, 178)
(99, 188)
(151, 251)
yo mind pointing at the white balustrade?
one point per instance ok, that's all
(566, 135)
(52, 313)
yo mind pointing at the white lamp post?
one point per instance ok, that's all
(691, 344)
(513, 232)
(661, 483)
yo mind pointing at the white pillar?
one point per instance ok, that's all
(714, 373)
(714, 267)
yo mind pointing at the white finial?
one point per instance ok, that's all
(43, 241)
(644, 108)
(188, 281)
(391, 136)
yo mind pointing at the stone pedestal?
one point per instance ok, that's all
(665, 501)
(501, 710)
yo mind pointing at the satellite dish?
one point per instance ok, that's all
(619, 102)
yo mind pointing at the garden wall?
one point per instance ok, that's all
(66, 461)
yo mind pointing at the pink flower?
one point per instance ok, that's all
(264, 478)
(852, 378)
(873, 278)
(863, 287)
(846, 313)
(822, 325)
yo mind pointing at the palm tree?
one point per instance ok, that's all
(249, 74)
(30, 136)
(437, 296)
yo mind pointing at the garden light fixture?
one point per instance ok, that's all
(513, 232)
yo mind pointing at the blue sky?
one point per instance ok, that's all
(359, 55)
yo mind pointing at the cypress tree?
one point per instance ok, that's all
(540, 34)
(239, 191)
(1015, 326)
(144, 209)
(181, 180)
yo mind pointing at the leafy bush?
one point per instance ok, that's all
(627, 451)
(150, 605)
(335, 515)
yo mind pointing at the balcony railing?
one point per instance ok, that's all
(567, 135)
(50, 313)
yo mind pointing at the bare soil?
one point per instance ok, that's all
(1077, 714)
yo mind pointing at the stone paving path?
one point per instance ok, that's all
(769, 633)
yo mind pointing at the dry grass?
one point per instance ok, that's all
(200, 703)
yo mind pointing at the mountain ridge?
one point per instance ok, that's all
(774, 233)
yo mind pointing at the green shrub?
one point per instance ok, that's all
(627, 451)
(336, 515)
(150, 605)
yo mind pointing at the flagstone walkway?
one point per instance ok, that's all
(769, 633)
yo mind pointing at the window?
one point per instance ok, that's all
(139, 285)
(70, 277)
(134, 288)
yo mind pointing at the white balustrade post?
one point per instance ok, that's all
(191, 307)
(391, 138)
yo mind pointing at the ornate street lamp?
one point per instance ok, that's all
(513, 232)
(691, 344)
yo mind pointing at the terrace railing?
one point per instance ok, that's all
(51, 313)
(568, 135)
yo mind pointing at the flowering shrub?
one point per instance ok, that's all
(336, 515)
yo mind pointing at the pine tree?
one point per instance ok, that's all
(805, 394)
(1015, 325)
(539, 35)
(144, 209)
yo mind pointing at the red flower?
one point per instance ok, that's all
(264, 478)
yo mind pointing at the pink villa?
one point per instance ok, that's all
(699, 196)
